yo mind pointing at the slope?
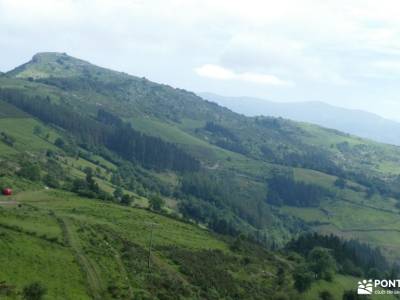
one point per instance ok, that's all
(104, 240)
(238, 153)
(357, 122)
(88, 249)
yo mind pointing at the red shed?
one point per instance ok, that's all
(7, 192)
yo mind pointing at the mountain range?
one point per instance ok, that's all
(361, 123)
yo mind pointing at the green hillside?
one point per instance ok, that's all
(86, 249)
(98, 159)
(104, 247)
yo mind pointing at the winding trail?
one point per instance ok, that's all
(87, 266)
(122, 270)
(8, 203)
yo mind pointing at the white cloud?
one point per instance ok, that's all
(387, 65)
(215, 72)
(221, 73)
(331, 49)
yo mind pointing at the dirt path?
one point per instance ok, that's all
(8, 203)
(87, 266)
(121, 268)
(118, 260)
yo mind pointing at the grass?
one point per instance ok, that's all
(10, 111)
(314, 177)
(26, 258)
(89, 238)
(65, 204)
(23, 134)
(6, 150)
(75, 247)
(30, 220)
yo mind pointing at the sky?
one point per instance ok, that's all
(342, 52)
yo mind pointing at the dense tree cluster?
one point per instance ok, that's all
(231, 146)
(318, 265)
(221, 131)
(219, 220)
(139, 180)
(284, 190)
(223, 193)
(206, 187)
(225, 138)
(311, 158)
(88, 187)
(30, 171)
(354, 258)
(108, 131)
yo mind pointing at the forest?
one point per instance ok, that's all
(284, 190)
(107, 131)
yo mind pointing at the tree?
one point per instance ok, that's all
(30, 171)
(37, 130)
(59, 143)
(156, 203)
(302, 278)
(325, 295)
(34, 291)
(118, 193)
(238, 243)
(340, 183)
(353, 258)
(126, 200)
(280, 276)
(7, 139)
(373, 273)
(51, 181)
(322, 263)
(92, 184)
(285, 190)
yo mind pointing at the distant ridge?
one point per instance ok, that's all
(357, 122)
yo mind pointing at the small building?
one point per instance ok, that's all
(7, 192)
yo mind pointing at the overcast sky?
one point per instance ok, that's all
(346, 53)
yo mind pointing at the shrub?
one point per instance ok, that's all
(34, 291)
(302, 278)
(325, 295)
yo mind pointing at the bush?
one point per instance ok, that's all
(30, 171)
(325, 295)
(340, 183)
(352, 295)
(302, 278)
(285, 190)
(7, 139)
(322, 263)
(156, 203)
(51, 181)
(34, 291)
(126, 200)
